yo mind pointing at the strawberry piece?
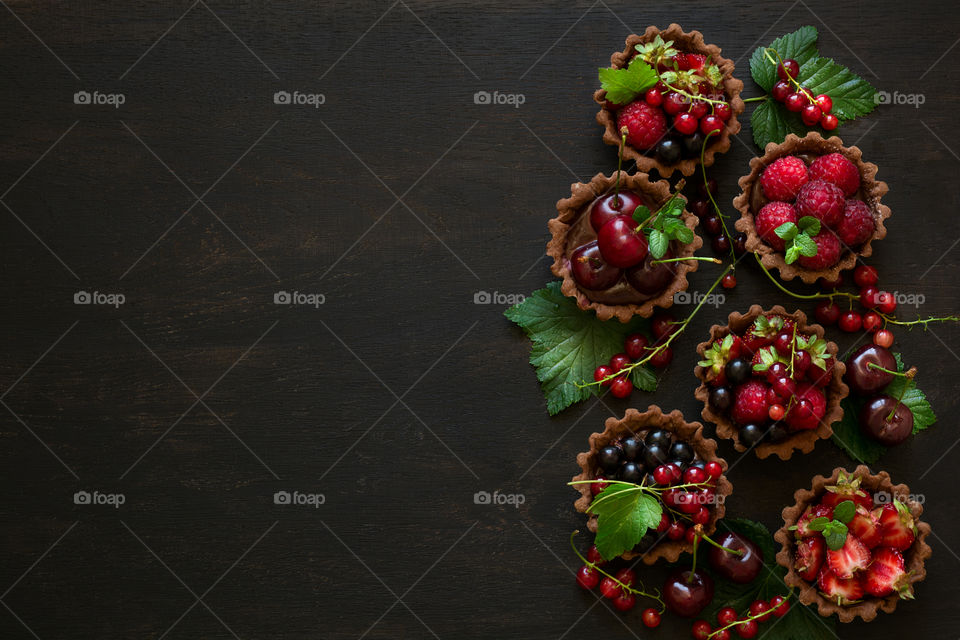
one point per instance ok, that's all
(847, 488)
(715, 358)
(840, 590)
(866, 526)
(853, 556)
(887, 575)
(813, 511)
(809, 557)
(896, 525)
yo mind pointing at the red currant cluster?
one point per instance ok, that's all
(688, 497)
(813, 110)
(873, 300)
(745, 626)
(622, 588)
(636, 350)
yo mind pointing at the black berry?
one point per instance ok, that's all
(738, 371)
(609, 459)
(721, 398)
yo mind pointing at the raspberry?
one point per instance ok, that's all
(750, 403)
(836, 169)
(857, 224)
(828, 252)
(645, 125)
(771, 216)
(822, 200)
(783, 178)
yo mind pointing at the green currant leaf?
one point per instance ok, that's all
(623, 85)
(644, 378)
(848, 436)
(913, 398)
(852, 95)
(801, 45)
(624, 515)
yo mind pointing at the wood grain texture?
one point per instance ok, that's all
(316, 203)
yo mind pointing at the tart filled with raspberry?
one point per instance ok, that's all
(811, 207)
(675, 95)
(770, 382)
(854, 544)
(623, 245)
(662, 457)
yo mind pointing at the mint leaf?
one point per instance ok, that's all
(623, 85)
(658, 243)
(801, 45)
(624, 514)
(844, 511)
(818, 524)
(809, 224)
(787, 231)
(568, 343)
(806, 245)
(640, 214)
(791, 254)
(835, 534)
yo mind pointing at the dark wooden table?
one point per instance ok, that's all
(398, 199)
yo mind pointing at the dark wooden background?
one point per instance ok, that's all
(399, 398)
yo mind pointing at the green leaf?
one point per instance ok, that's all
(644, 378)
(913, 398)
(810, 225)
(818, 524)
(835, 534)
(844, 511)
(568, 343)
(684, 235)
(771, 122)
(787, 231)
(640, 214)
(791, 254)
(852, 95)
(659, 243)
(624, 514)
(623, 85)
(801, 45)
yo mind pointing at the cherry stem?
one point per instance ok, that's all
(701, 258)
(736, 552)
(623, 141)
(757, 99)
(716, 207)
(696, 541)
(800, 296)
(691, 96)
(800, 89)
(624, 586)
(909, 374)
(740, 621)
(673, 196)
(632, 486)
(920, 321)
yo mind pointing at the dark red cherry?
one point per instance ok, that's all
(611, 205)
(741, 569)
(862, 377)
(590, 270)
(620, 243)
(650, 279)
(886, 420)
(687, 593)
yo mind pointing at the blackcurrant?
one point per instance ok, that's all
(751, 434)
(661, 437)
(721, 398)
(632, 447)
(669, 151)
(654, 456)
(777, 433)
(609, 459)
(682, 451)
(631, 472)
(738, 371)
(692, 145)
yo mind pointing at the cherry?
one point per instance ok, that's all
(747, 629)
(691, 535)
(865, 276)
(711, 187)
(784, 386)
(701, 630)
(662, 358)
(653, 97)
(593, 555)
(795, 102)
(810, 115)
(739, 242)
(827, 312)
(620, 243)
(611, 205)
(686, 123)
(619, 361)
(868, 297)
(720, 244)
(712, 225)
(883, 338)
(702, 516)
(877, 422)
(609, 588)
(674, 103)
(783, 342)
(651, 278)
(865, 379)
(713, 469)
(723, 111)
(635, 345)
(601, 372)
(710, 124)
(780, 606)
(871, 321)
(825, 102)
(687, 592)
(677, 531)
(758, 607)
(588, 577)
(590, 270)
(787, 69)
(886, 303)
(728, 281)
(663, 325)
(801, 362)
(625, 601)
(650, 618)
(829, 121)
(850, 321)
(737, 568)
(621, 387)
(726, 616)
(776, 370)
(781, 89)
(664, 523)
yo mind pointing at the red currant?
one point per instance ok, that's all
(747, 629)
(825, 102)
(686, 123)
(609, 588)
(674, 103)
(865, 276)
(598, 486)
(758, 607)
(701, 630)
(711, 124)
(729, 281)
(781, 89)
(723, 111)
(827, 312)
(626, 576)
(593, 555)
(871, 321)
(619, 361)
(829, 121)
(663, 476)
(713, 469)
(588, 577)
(831, 285)
(726, 616)
(651, 618)
(625, 601)
(653, 97)
(662, 325)
(702, 516)
(601, 372)
(723, 634)
(662, 358)
(850, 321)
(794, 102)
(776, 412)
(868, 297)
(691, 535)
(779, 605)
(787, 69)
(810, 115)
(664, 523)
(883, 338)
(694, 475)
(621, 387)
(636, 345)
(676, 531)
(699, 109)
(886, 303)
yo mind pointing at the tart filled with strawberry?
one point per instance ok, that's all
(623, 245)
(770, 382)
(658, 473)
(854, 544)
(675, 95)
(811, 207)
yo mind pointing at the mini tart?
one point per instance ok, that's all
(691, 42)
(634, 422)
(571, 228)
(914, 557)
(751, 199)
(802, 441)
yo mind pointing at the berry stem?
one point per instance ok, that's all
(736, 552)
(696, 542)
(800, 296)
(625, 587)
(716, 207)
(919, 321)
(701, 258)
(757, 99)
(794, 81)
(623, 141)
(740, 621)
(691, 96)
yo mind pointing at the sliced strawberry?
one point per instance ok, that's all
(866, 526)
(813, 511)
(848, 559)
(847, 488)
(887, 575)
(718, 355)
(839, 590)
(751, 342)
(694, 61)
(809, 557)
(896, 525)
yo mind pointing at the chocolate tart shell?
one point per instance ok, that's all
(690, 43)
(632, 422)
(802, 441)
(570, 209)
(871, 191)
(914, 557)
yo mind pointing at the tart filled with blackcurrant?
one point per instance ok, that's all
(811, 207)
(623, 245)
(770, 382)
(675, 95)
(854, 544)
(662, 468)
